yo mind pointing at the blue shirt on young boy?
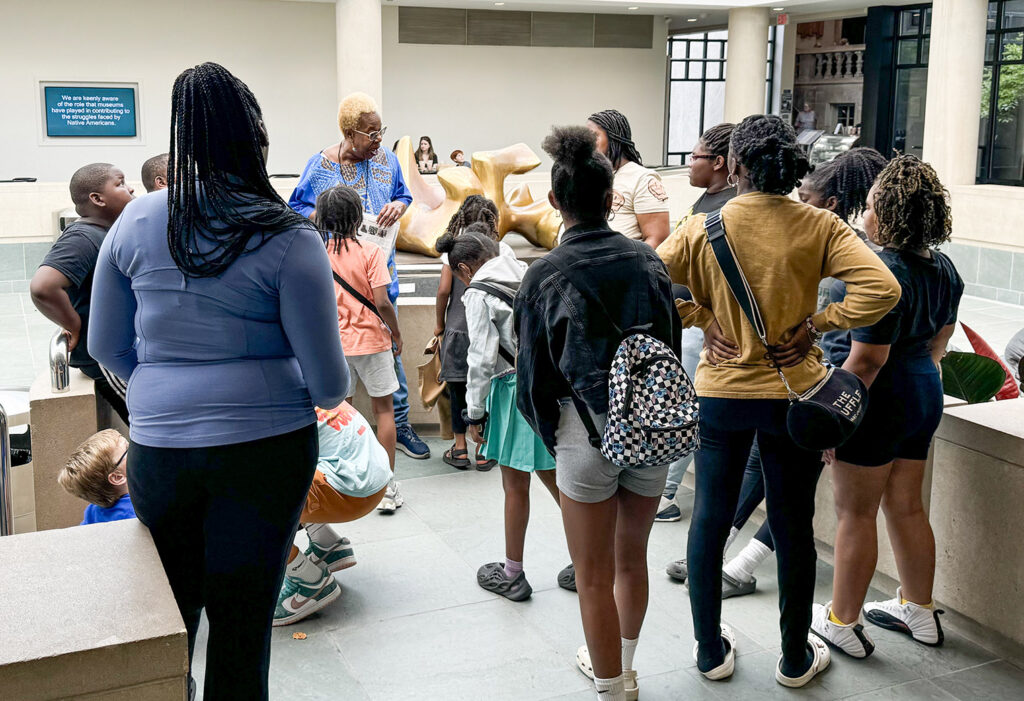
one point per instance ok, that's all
(121, 510)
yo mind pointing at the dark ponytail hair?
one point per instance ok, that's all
(475, 208)
(474, 245)
(220, 201)
(339, 212)
(581, 176)
(767, 146)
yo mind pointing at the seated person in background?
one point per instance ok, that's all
(352, 475)
(95, 472)
(154, 173)
(459, 159)
(426, 159)
(1014, 353)
(62, 286)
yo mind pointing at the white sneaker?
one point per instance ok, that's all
(628, 675)
(724, 670)
(851, 639)
(822, 659)
(920, 623)
(392, 500)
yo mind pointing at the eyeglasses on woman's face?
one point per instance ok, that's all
(373, 135)
(690, 158)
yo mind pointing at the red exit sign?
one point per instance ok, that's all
(782, 19)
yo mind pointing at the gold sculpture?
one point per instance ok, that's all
(432, 208)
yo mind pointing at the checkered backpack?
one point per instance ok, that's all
(652, 406)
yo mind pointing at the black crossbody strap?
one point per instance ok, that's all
(359, 297)
(505, 297)
(715, 230)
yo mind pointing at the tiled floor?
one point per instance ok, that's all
(412, 623)
(25, 334)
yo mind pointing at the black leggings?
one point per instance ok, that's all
(223, 519)
(728, 428)
(457, 397)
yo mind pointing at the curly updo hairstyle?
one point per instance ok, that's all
(475, 208)
(767, 146)
(911, 205)
(581, 176)
(472, 246)
(716, 139)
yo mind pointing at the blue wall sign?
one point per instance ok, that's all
(89, 111)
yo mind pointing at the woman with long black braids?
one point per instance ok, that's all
(784, 247)
(639, 203)
(234, 340)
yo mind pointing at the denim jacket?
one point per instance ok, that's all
(569, 330)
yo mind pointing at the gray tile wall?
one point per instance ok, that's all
(18, 261)
(989, 272)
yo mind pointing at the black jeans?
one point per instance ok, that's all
(751, 495)
(728, 428)
(457, 397)
(223, 519)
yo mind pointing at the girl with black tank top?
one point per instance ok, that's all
(898, 358)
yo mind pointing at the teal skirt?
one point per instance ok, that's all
(510, 440)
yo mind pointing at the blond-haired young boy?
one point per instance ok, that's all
(95, 472)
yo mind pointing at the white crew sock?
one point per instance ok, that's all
(321, 534)
(741, 568)
(611, 689)
(628, 650)
(303, 568)
(733, 532)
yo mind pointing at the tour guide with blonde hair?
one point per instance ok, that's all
(359, 162)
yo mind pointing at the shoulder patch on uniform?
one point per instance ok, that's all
(657, 189)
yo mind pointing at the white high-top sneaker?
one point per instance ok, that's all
(851, 639)
(920, 623)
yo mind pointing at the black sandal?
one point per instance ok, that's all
(451, 457)
(483, 464)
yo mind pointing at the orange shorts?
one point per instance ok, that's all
(324, 504)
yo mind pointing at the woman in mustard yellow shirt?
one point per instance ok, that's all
(785, 248)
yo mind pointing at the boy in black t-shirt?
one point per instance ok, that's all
(62, 286)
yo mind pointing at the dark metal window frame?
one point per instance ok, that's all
(703, 38)
(846, 113)
(995, 64)
(921, 61)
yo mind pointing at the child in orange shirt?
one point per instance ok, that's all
(366, 318)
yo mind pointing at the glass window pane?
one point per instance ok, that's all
(910, 20)
(907, 52)
(927, 20)
(993, 14)
(908, 124)
(1012, 44)
(990, 47)
(721, 35)
(983, 133)
(1008, 143)
(678, 70)
(1013, 14)
(678, 48)
(714, 70)
(926, 45)
(697, 49)
(714, 49)
(684, 116)
(714, 104)
(694, 71)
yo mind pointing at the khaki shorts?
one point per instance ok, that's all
(376, 371)
(584, 474)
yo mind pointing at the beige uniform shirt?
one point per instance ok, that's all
(637, 190)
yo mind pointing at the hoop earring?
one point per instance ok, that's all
(732, 180)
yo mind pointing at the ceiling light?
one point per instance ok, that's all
(778, 9)
(498, 4)
(633, 8)
(692, 19)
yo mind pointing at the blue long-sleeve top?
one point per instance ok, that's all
(221, 360)
(386, 184)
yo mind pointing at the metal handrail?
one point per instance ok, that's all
(6, 489)
(60, 361)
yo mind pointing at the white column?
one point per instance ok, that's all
(747, 62)
(358, 39)
(953, 106)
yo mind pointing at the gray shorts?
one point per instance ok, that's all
(583, 474)
(377, 372)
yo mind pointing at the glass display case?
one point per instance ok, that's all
(828, 146)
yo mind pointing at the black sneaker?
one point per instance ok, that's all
(492, 577)
(567, 578)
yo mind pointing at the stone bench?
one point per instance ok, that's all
(87, 612)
